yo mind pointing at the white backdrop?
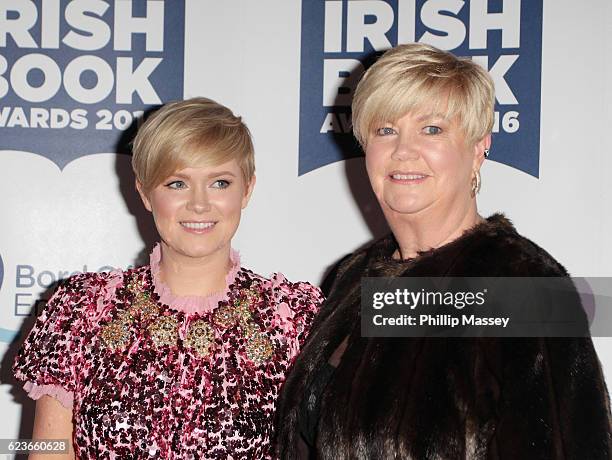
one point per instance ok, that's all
(246, 55)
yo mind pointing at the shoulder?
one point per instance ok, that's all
(93, 281)
(83, 294)
(356, 261)
(500, 249)
(292, 305)
(291, 301)
(350, 268)
(282, 289)
(92, 284)
(491, 248)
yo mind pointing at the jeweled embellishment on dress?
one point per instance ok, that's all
(200, 337)
(225, 316)
(243, 312)
(164, 331)
(259, 348)
(145, 306)
(116, 334)
(252, 296)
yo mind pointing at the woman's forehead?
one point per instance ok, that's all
(206, 167)
(420, 114)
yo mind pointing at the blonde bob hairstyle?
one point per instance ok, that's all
(191, 133)
(422, 79)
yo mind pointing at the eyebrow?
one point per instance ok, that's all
(432, 116)
(222, 173)
(213, 174)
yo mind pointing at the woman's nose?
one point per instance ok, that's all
(406, 149)
(198, 201)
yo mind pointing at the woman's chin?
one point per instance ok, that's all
(195, 250)
(407, 208)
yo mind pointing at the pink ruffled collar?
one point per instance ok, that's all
(190, 304)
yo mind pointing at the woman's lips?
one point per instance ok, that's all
(407, 177)
(197, 227)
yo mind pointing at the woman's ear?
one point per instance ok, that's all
(480, 147)
(143, 196)
(248, 191)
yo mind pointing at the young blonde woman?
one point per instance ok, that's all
(183, 357)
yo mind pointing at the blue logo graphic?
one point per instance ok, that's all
(6, 335)
(74, 75)
(340, 39)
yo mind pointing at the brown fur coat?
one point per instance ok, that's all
(449, 398)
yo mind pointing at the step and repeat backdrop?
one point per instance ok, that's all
(76, 76)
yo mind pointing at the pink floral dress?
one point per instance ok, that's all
(151, 375)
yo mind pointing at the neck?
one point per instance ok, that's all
(427, 230)
(191, 276)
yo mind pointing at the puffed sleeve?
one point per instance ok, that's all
(296, 306)
(46, 362)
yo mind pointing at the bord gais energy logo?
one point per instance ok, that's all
(74, 74)
(340, 38)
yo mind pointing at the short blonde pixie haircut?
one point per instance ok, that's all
(191, 133)
(423, 79)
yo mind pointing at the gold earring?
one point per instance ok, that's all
(475, 183)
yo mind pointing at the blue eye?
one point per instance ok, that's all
(432, 130)
(176, 185)
(386, 131)
(221, 183)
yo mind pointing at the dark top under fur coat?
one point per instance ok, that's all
(469, 398)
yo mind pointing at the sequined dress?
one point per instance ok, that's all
(151, 375)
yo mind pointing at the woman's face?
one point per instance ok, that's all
(197, 210)
(422, 164)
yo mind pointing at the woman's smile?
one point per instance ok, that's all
(198, 227)
(407, 178)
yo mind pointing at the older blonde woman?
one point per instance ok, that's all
(183, 357)
(424, 119)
